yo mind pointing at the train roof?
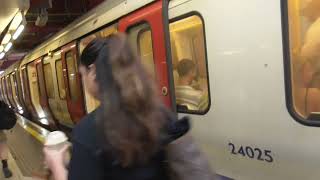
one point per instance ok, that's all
(107, 12)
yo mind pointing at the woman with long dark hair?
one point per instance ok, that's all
(125, 137)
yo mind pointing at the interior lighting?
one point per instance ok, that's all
(41, 115)
(21, 111)
(1, 48)
(8, 46)
(18, 18)
(2, 55)
(44, 121)
(6, 39)
(1, 72)
(18, 32)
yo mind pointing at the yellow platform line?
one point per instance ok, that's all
(25, 125)
(35, 134)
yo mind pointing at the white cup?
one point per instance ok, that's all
(57, 140)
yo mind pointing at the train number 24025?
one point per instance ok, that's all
(253, 153)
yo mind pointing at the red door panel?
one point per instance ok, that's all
(72, 81)
(152, 14)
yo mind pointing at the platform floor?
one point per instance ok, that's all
(17, 175)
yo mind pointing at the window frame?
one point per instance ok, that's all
(26, 86)
(106, 26)
(178, 18)
(2, 90)
(45, 80)
(9, 90)
(111, 25)
(287, 64)
(55, 65)
(138, 42)
(74, 62)
(41, 86)
(13, 76)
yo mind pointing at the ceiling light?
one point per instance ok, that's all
(2, 55)
(18, 32)
(1, 48)
(16, 21)
(6, 39)
(8, 46)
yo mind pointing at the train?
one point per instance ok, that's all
(254, 69)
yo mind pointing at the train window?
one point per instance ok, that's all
(304, 43)
(49, 80)
(91, 102)
(42, 89)
(140, 38)
(25, 89)
(34, 88)
(190, 65)
(61, 85)
(72, 78)
(1, 93)
(103, 33)
(15, 89)
(9, 90)
(2, 90)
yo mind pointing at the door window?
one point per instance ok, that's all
(190, 65)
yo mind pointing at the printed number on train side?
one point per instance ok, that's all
(251, 152)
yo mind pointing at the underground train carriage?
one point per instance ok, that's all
(241, 122)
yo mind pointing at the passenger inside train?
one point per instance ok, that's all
(305, 58)
(188, 93)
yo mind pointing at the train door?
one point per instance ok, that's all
(146, 33)
(72, 82)
(23, 110)
(35, 93)
(43, 95)
(9, 92)
(26, 92)
(5, 91)
(56, 90)
(14, 90)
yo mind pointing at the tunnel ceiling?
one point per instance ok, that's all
(60, 14)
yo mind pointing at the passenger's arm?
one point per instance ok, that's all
(55, 162)
(59, 173)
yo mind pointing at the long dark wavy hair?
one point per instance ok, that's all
(130, 116)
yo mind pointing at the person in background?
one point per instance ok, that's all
(8, 120)
(124, 138)
(186, 94)
(4, 155)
